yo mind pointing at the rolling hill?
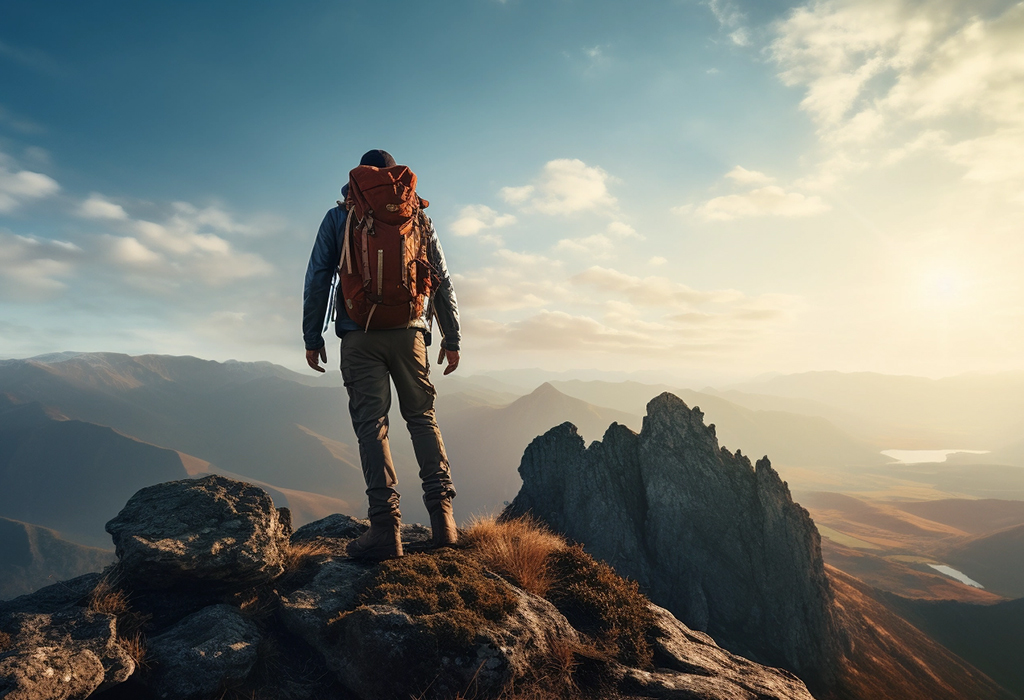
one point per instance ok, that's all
(33, 556)
(991, 637)
(70, 475)
(995, 558)
(254, 419)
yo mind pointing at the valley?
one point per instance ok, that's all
(934, 542)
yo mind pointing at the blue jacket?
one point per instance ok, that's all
(323, 264)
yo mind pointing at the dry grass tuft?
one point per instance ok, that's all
(5, 641)
(518, 549)
(602, 605)
(135, 645)
(109, 598)
(298, 553)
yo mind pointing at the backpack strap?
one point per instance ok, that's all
(346, 256)
(367, 224)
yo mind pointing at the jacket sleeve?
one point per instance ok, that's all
(323, 262)
(445, 303)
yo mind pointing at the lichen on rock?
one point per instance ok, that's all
(224, 533)
(308, 623)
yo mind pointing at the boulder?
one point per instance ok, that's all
(690, 664)
(376, 639)
(336, 526)
(65, 655)
(363, 644)
(339, 527)
(54, 597)
(307, 611)
(214, 531)
(202, 653)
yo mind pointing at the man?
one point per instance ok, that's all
(370, 359)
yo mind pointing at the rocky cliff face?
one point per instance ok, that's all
(214, 597)
(714, 539)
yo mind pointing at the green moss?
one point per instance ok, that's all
(602, 605)
(449, 593)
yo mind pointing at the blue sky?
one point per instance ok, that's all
(718, 187)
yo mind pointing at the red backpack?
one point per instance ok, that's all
(385, 276)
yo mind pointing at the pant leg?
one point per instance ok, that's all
(364, 367)
(410, 370)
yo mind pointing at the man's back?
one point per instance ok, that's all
(392, 349)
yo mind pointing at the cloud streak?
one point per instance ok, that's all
(564, 186)
(878, 75)
(18, 187)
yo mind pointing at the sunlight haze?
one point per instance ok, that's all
(708, 189)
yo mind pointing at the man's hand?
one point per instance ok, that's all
(314, 357)
(453, 360)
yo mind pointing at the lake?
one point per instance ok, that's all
(923, 456)
(958, 575)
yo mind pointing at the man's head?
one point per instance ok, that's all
(378, 158)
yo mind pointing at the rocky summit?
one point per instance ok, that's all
(716, 540)
(212, 597)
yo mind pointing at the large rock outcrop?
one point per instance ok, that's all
(187, 597)
(224, 533)
(67, 654)
(709, 536)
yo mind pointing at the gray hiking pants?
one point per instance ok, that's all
(369, 362)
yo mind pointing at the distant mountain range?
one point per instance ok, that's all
(105, 424)
(32, 557)
(80, 433)
(968, 411)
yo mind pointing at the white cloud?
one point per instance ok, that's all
(696, 323)
(558, 331)
(740, 37)
(516, 195)
(645, 291)
(657, 260)
(20, 186)
(743, 176)
(880, 74)
(513, 281)
(99, 207)
(476, 218)
(765, 201)
(525, 262)
(34, 268)
(995, 157)
(726, 12)
(730, 18)
(129, 251)
(620, 229)
(187, 243)
(564, 187)
(598, 245)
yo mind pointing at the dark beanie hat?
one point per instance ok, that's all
(377, 158)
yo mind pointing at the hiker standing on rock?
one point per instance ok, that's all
(392, 281)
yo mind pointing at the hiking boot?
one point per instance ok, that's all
(442, 525)
(382, 541)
